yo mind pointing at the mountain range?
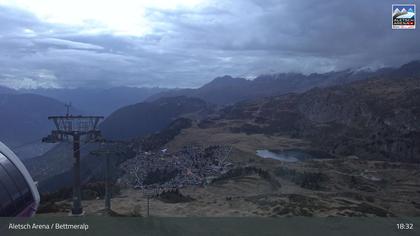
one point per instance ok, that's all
(374, 115)
(227, 90)
(25, 116)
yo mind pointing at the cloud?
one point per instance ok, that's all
(187, 47)
(51, 42)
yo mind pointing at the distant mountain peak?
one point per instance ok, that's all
(223, 81)
(226, 78)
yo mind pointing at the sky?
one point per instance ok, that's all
(187, 43)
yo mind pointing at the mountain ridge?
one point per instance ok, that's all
(227, 90)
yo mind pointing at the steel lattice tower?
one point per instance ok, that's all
(75, 127)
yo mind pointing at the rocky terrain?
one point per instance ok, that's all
(373, 119)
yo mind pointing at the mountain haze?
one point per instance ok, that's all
(24, 121)
(98, 101)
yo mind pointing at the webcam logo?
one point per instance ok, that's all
(403, 16)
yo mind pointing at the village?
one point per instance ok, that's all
(193, 165)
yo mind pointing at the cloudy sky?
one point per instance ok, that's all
(186, 43)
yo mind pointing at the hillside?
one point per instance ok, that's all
(149, 117)
(374, 119)
(53, 170)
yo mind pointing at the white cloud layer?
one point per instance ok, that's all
(187, 43)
